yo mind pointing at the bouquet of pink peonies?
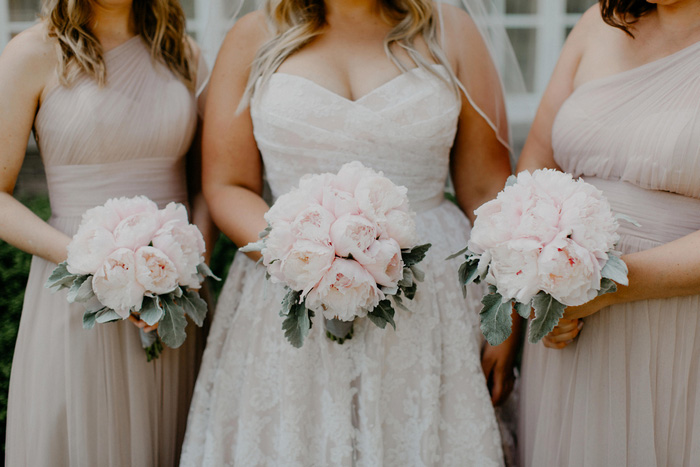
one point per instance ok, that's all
(127, 257)
(341, 244)
(546, 242)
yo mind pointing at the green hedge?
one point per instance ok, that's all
(14, 269)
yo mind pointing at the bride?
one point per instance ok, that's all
(406, 87)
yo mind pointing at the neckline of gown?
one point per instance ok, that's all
(638, 69)
(364, 96)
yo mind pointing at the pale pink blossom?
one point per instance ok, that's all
(314, 224)
(385, 263)
(88, 249)
(569, 272)
(115, 283)
(126, 207)
(378, 195)
(305, 264)
(184, 245)
(347, 290)
(154, 271)
(352, 235)
(173, 213)
(401, 226)
(136, 230)
(351, 174)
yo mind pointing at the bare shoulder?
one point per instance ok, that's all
(457, 24)
(463, 43)
(30, 51)
(247, 36)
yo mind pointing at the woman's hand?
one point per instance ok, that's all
(563, 334)
(141, 324)
(497, 363)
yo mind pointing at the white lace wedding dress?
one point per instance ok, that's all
(414, 396)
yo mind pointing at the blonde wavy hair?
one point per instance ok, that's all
(295, 23)
(161, 24)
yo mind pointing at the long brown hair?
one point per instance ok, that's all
(161, 24)
(296, 22)
(622, 14)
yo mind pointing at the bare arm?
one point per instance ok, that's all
(479, 162)
(232, 167)
(480, 167)
(25, 65)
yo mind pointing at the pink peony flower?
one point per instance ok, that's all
(386, 265)
(88, 249)
(305, 264)
(136, 230)
(569, 272)
(100, 216)
(339, 202)
(125, 207)
(347, 290)
(154, 271)
(314, 224)
(352, 235)
(401, 226)
(378, 195)
(514, 272)
(350, 175)
(115, 283)
(314, 185)
(278, 243)
(184, 245)
(173, 213)
(287, 207)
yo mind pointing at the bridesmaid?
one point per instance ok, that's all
(623, 111)
(109, 88)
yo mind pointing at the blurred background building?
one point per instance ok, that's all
(537, 29)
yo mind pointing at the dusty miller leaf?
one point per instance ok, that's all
(297, 324)
(172, 326)
(81, 290)
(496, 321)
(151, 310)
(195, 307)
(607, 286)
(523, 309)
(459, 253)
(383, 313)
(548, 312)
(415, 255)
(60, 277)
(615, 269)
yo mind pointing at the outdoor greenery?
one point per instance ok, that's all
(14, 269)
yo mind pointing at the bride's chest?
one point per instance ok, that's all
(417, 104)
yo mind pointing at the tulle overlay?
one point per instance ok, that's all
(414, 396)
(87, 398)
(626, 392)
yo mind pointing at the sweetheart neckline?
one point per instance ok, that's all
(361, 98)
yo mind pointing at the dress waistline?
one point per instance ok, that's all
(73, 189)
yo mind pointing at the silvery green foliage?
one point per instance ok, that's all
(168, 310)
(495, 316)
(298, 319)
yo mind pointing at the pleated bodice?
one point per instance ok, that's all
(125, 138)
(302, 127)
